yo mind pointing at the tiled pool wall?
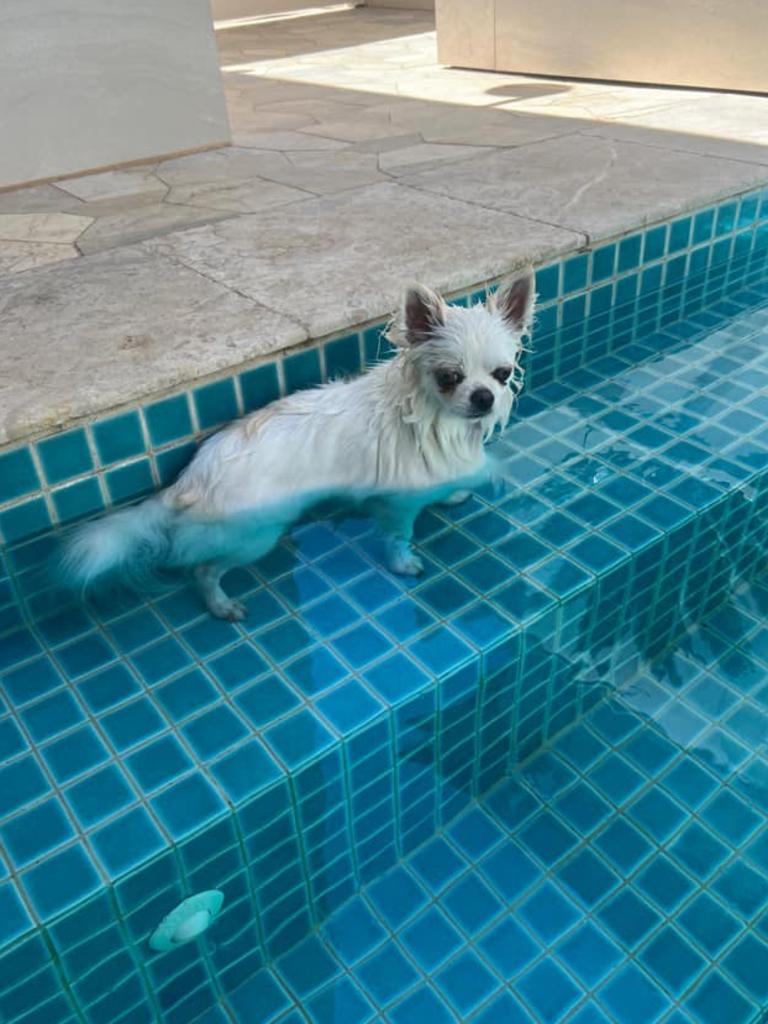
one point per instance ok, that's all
(295, 845)
(287, 858)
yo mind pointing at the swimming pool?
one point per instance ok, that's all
(528, 785)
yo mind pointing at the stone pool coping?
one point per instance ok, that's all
(91, 336)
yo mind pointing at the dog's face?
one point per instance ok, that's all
(468, 360)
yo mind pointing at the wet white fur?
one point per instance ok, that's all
(384, 436)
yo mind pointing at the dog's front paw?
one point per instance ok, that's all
(408, 565)
(457, 498)
(403, 560)
(228, 609)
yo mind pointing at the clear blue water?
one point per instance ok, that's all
(621, 874)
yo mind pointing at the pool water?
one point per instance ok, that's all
(621, 874)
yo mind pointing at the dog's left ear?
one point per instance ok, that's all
(515, 301)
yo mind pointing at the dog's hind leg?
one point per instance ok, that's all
(208, 579)
(238, 543)
(397, 519)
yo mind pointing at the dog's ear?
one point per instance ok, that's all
(424, 314)
(515, 301)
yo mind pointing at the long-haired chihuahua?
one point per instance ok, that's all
(401, 436)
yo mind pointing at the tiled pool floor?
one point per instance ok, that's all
(619, 876)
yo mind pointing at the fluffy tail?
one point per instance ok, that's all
(133, 542)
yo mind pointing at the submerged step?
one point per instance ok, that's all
(152, 753)
(619, 875)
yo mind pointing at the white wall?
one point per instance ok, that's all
(225, 10)
(408, 5)
(93, 83)
(711, 44)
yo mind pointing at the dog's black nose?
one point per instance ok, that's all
(482, 400)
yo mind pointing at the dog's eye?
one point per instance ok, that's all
(447, 380)
(502, 374)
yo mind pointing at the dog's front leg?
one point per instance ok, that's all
(401, 558)
(397, 519)
(457, 498)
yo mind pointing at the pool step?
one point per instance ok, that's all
(584, 884)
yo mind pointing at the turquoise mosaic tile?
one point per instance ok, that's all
(24, 520)
(342, 357)
(215, 403)
(77, 500)
(376, 348)
(259, 386)
(168, 419)
(18, 475)
(302, 370)
(65, 455)
(171, 461)
(118, 438)
(128, 482)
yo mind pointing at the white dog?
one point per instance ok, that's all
(394, 439)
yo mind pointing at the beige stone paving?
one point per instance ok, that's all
(42, 227)
(356, 162)
(115, 185)
(327, 280)
(132, 326)
(580, 183)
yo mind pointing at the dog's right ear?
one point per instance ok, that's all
(515, 301)
(424, 314)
